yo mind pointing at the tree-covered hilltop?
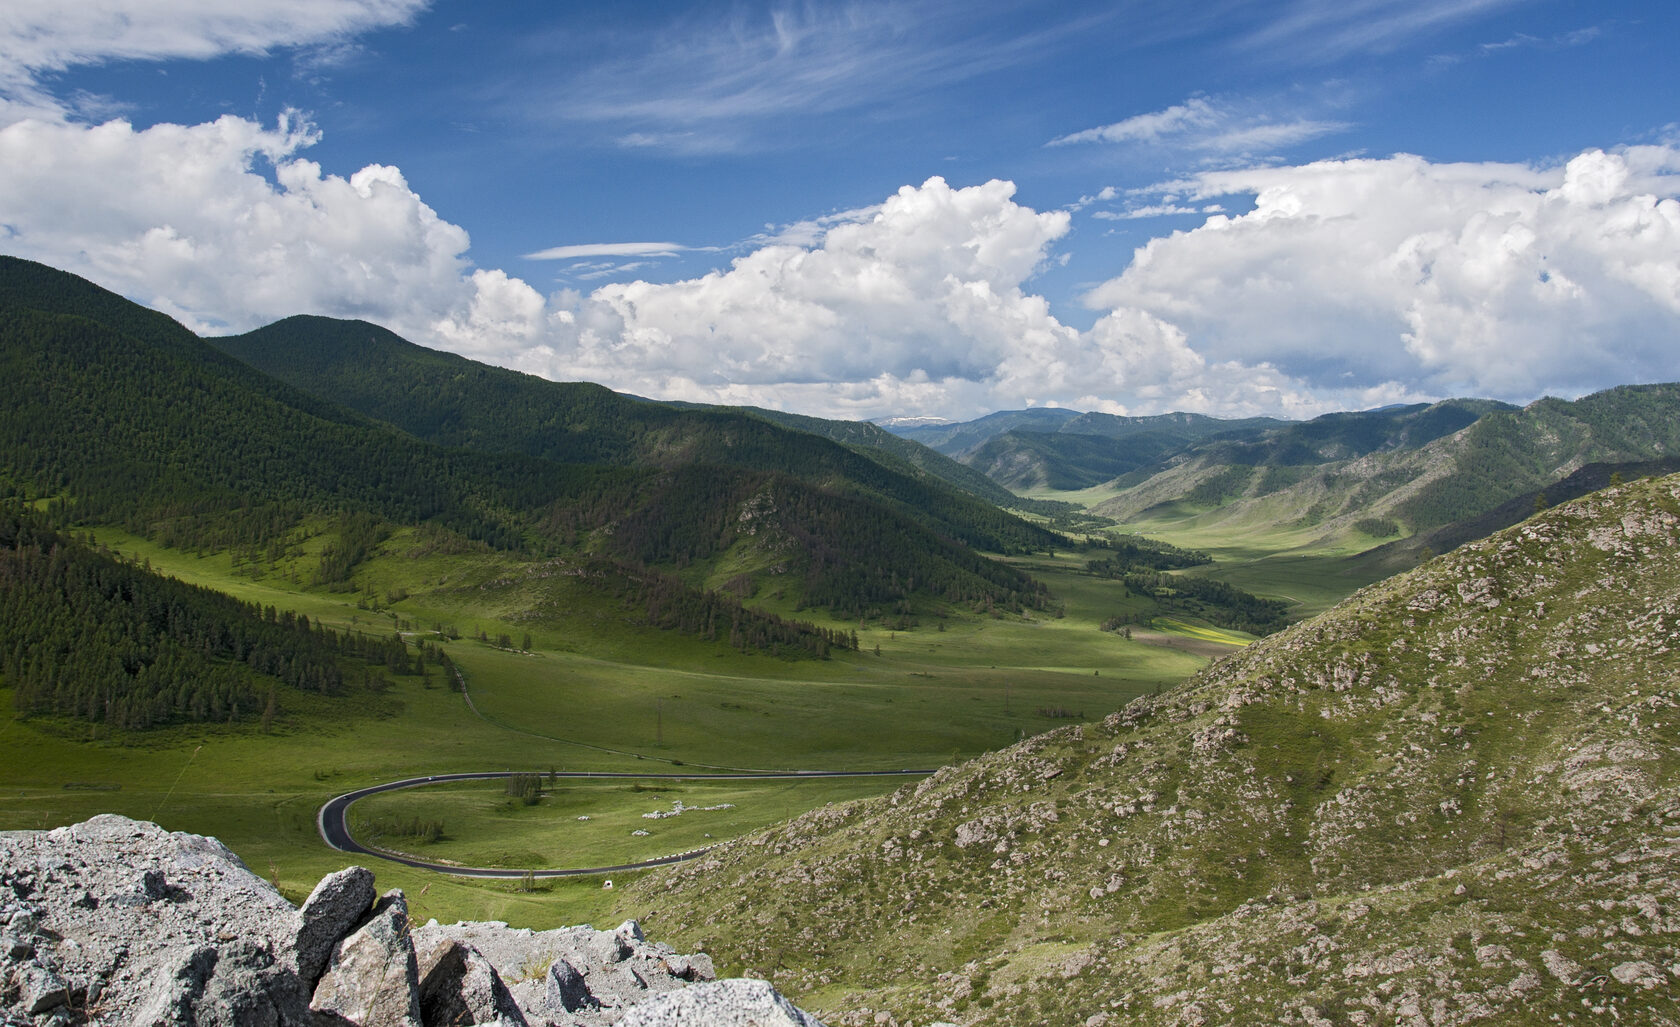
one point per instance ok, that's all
(1514, 451)
(121, 416)
(88, 636)
(456, 402)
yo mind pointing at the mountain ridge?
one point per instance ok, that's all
(1455, 476)
(173, 439)
(453, 401)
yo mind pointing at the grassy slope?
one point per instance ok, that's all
(592, 679)
(1452, 793)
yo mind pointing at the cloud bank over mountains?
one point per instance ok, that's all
(1348, 284)
(1307, 287)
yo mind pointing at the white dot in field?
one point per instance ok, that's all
(607, 884)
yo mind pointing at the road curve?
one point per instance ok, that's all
(332, 820)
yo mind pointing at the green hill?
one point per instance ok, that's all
(1448, 800)
(123, 417)
(456, 402)
(894, 451)
(1068, 462)
(1066, 450)
(1095, 448)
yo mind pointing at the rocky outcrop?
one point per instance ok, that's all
(576, 975)
(373, 977)
(119, 921)
(735, 1003)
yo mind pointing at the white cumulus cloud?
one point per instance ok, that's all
(1349, 283)
(185, 218)
(1488, 279)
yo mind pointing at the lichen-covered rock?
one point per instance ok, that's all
(739, 1002)
(373, 979)
(567, 991)
(458, 985)
(332, 910)
(136, 925)
(150, 925)
(575, 974)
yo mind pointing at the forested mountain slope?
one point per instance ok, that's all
(126, 417)
(1449, 798)
(453, 401)
(87, 636)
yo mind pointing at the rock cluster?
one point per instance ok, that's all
(116, 921)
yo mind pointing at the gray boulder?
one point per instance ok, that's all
(40, 990)
(738, 1002)
(332, 910)
(568, 992)
(147, 927)
(458, 985)
(373, 979)
(576, 974)
(150, 926)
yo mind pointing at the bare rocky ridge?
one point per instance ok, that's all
(117, 921)
(1450, 800)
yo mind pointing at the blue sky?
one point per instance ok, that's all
(868, 209)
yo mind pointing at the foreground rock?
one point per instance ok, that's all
(119, 921)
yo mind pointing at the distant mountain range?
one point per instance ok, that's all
(1430, 475)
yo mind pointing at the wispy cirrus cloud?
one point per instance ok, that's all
(608, 249)
(1178, 120)
(40, 37)
(708, 84)
(1322, 31)
(1523, 41)
(1154, 210)
(1209, 126)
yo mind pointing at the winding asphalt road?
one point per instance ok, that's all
(332, 820)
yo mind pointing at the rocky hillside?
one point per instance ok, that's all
(1450, 800)
(117, 921)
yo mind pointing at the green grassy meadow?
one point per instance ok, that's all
(578, 822)
(593, 692)
(1274, 559)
